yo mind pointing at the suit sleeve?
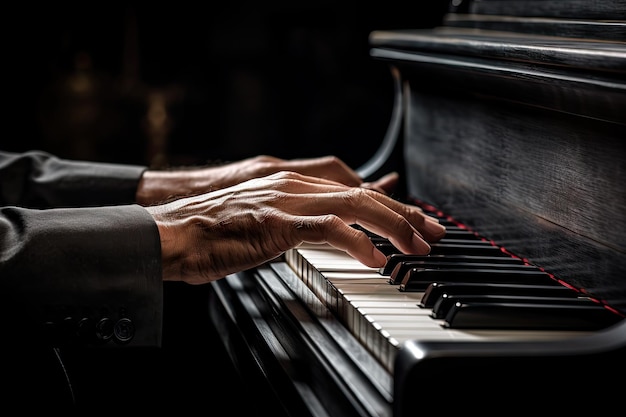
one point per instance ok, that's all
(80, 263)
(86, 276)
(38, 179)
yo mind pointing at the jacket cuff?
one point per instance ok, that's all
(89, 276)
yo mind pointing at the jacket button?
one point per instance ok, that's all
(86, 330)
(124, 330)
(104, 329)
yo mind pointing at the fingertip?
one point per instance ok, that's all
(389, 180)
(379, 258)
(435, 229)
(422, 247)
(391, 176)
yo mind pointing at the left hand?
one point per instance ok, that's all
(160, 186)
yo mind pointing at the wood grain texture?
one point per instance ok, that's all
(548, 187)
(523, 138)
(569, 9)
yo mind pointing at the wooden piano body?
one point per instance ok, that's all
(510, 118)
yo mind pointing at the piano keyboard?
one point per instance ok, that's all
(465, 289)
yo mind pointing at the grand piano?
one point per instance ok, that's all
(509, 126)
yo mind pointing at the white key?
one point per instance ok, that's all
(375, 311)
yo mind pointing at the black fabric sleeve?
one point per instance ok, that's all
(81, 275)
(38, 179)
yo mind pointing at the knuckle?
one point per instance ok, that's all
(263, 158)
(331, 160)
(283, 178)
(400, 222)
(357, 198)
(327, 223)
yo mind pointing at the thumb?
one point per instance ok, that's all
(385, 184)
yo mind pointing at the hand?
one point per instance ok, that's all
(209, 236)
(162, 186)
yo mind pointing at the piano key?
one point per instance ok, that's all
(387, 248)
(442, 248)
(465, 249)
(384, 328)
(448, 240)
(444, 303)
(479, 315)
(395, 258)
(460, 234)
(401, 269)
(436, 289)
(338, 294)
(380, 315)
(418, 279)
(333, 260)
(451, 227)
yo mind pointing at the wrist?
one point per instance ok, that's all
(158, 187)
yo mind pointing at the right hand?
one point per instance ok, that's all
(208, 236)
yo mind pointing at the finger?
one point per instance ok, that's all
(301, 183)
(356, 206)
(427, 226)
(403, 226)
(377, 212)
(334, 231)
(386, 184)
(328, 167)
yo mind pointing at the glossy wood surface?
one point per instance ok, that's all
(522, 137)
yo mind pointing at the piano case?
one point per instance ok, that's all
(510, 117)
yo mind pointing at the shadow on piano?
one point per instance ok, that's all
(510, 126)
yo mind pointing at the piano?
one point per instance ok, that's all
(509, 126)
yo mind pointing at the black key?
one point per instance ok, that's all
(528, 317)
(377, 239)
(398, 273)
(465, 249)
(443, 248)
(418, 279)
(395, 258)
(436, 289)
(386, 247)
(452, 232)
(450, 241)
(445, 302)
(460, 234)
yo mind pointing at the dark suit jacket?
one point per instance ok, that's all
(80, 263)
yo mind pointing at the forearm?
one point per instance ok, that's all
(60, 266)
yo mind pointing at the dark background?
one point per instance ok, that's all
(166, 84)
